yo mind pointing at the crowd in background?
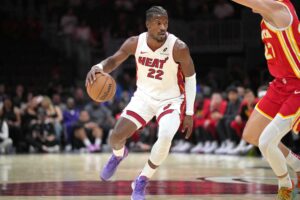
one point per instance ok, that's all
(67, 120)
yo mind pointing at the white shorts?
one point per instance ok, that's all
(142, 108)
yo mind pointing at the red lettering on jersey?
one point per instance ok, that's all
(155, 63)
(142, 60)
(162, 62)
(148, 62)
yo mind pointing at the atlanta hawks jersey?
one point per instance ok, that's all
(282, 46)
(158, 75)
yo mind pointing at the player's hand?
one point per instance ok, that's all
(187, 127)
(91, 76)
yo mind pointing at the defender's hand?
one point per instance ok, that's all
(188, 123)
(91, 76)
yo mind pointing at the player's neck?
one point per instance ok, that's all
(154, 44)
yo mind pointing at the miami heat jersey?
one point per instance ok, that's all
(282, 46)
(158, 75)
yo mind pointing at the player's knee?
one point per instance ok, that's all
(250, 137)
(263, 144)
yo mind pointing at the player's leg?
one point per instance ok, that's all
(257, 122)
(168, 126)
(136, 114)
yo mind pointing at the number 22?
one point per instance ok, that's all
(156, 74)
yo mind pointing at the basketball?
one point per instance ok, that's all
(102, 89)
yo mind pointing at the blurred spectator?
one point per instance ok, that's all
(100, 115)
(238, 124)
(53, 116)
(56, 99)
(223, 9)
(84, 42)
(70, 117)
(205, 123)
(19, 97)
(68, 24)
(42, 137)
(228, 139)
(87, 134)
(5, 141)
(11, 114)
(80, 98)
(2, 94)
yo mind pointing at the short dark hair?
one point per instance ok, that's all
(154, 11)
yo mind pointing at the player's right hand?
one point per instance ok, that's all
(91, 76)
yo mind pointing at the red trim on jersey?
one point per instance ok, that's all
(164, 113)
(136, 116)
(290, 48)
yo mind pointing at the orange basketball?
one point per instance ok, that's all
(102, 89)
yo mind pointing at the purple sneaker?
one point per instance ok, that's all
(139, 186)
(111, 166)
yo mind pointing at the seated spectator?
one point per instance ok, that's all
(238, 124)
(87, 134)
(5, 141)
(11, 114)
(213, 111)
(228, 139)
(70, 117)
(42, 137)
(101, 115)
(53, 115)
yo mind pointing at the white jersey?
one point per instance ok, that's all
(158, 75)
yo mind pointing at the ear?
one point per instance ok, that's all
(147, 24)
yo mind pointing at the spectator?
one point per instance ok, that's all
(43, 137)
(11, 114)
(213, 111)
(223, 9)
(2, 94)
(238, 124)
(19, 97)
(53, 115)
(68, 24)
(5, 141)
(228, 139)
(87, 132)
(70, 117)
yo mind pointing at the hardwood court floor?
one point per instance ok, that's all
(181, 177)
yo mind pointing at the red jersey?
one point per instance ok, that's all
(282, 46)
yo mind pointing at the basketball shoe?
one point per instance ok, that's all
(111, 166)
(139, 187)
(285, 193)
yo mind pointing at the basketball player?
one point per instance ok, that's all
(165, 79)
(278, 111)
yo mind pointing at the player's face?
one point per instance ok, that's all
(157, 27)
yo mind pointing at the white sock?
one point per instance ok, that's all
(293, 161)
(86, 142)
(98, 142)
(285, 182)
(120, 152)
(148, 171)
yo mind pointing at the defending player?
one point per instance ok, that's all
(165, 79)
(279, 111)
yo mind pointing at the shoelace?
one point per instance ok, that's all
(114, 160)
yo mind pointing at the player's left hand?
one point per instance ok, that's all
(187, 126)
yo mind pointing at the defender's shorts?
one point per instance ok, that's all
(283, 98)
(142, 108)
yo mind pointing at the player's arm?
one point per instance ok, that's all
(182, 56)
(273, 11)
(109, 64)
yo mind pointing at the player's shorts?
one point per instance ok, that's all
(283, 98)
(142, 108)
